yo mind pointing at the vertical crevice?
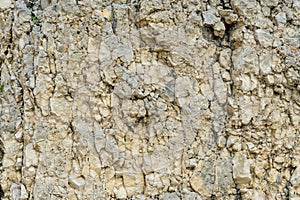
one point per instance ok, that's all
(114, 19)
(1, 192)
(238, 195)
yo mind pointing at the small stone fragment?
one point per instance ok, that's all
(281, 18)
(31, 156)
(241, 169)
(210, 17)
(5, 4)
(120, 193)
(219, 29)
(225, 58)
(264, 37)
(259, 195)
(77, 182)
(270, 3)
(242, 7)
(24, 194)
(170, 196)
(134, 183)
(295, 179)
(265, 63)
(229, 16)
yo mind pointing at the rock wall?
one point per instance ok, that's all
(150, 99)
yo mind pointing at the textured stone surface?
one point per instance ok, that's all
(149, 99)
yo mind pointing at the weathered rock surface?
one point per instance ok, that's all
(149, 99)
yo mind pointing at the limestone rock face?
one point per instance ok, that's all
(149, 99)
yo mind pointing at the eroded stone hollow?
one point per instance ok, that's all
(150, 99)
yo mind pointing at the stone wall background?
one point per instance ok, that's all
(150, 99)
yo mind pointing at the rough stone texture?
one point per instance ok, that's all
(150, 99)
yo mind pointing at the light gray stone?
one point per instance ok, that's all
(120, 193)
(281, 18)
(5, 4)
(264, 37)
(185, 86)
(241, 168)
(24, 193)
(76, 182)
(295, 178)
(219, 29)
(266, 63)
(270, 2)
(245, 60)
(210, 17)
